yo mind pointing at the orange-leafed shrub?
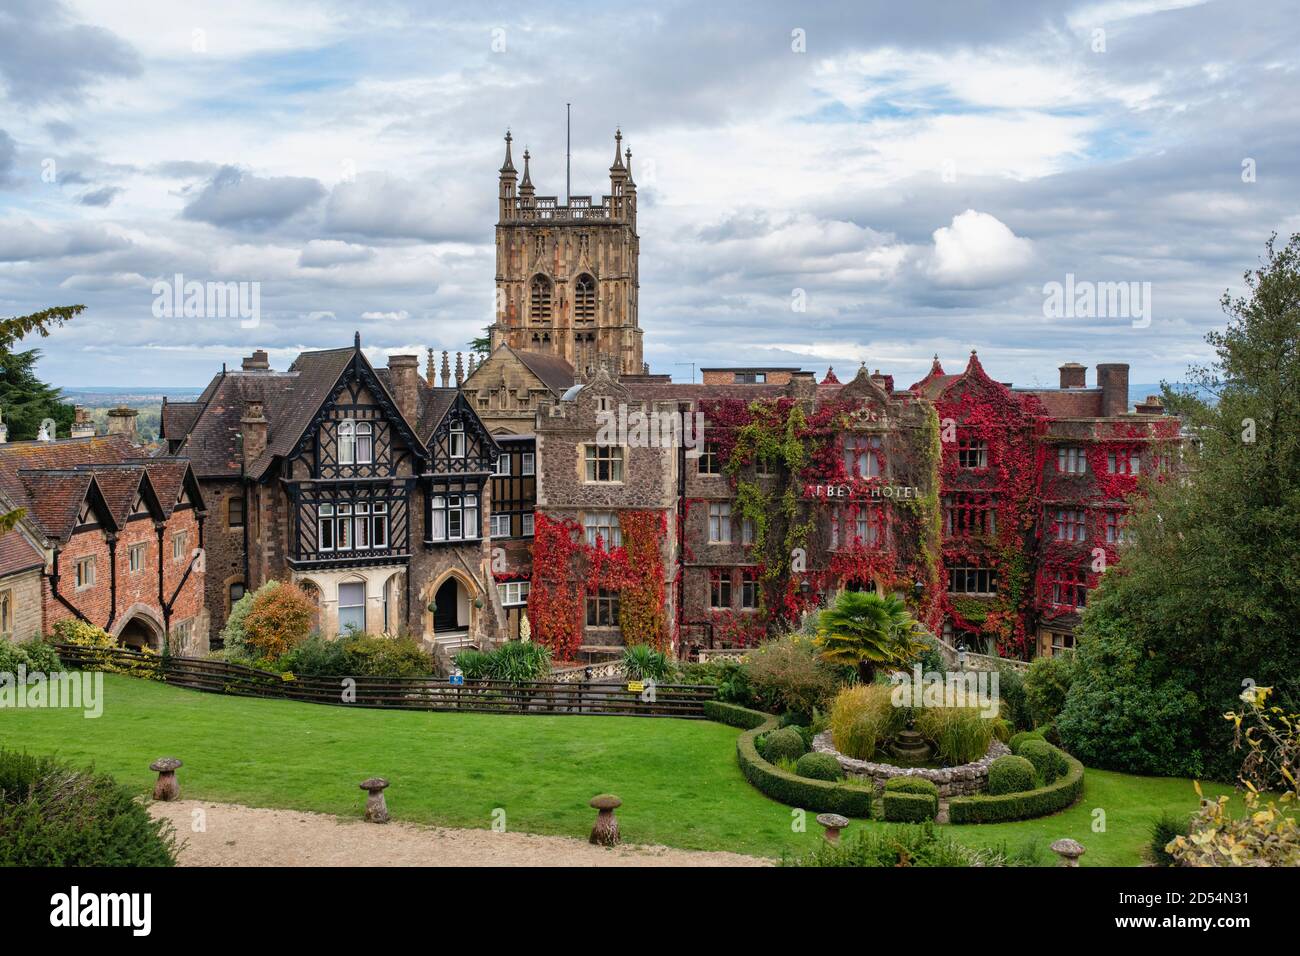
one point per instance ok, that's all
(279, 620)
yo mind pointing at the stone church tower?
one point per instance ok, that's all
(567, 274)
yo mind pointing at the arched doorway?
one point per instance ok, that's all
(451, 607)
(138, 632)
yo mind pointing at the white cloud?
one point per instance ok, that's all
(977, 251)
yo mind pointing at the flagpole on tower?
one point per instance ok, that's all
(568, 126)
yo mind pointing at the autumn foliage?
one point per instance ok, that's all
(279, 620)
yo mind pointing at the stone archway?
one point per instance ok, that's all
(140, 627)
(453, 593)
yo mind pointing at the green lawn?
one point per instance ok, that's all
(678, 779)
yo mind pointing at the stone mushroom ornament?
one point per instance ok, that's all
(376, 805)
(605, 830)
(833, 823)
(1069, 851)
(167, 787)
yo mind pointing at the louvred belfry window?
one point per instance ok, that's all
(584, 300)
(539, 300)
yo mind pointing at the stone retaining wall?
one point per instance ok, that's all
(964, 781)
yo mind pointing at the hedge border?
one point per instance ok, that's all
(902, 807)
(733, 715)
(1064, 792)
(819, 795)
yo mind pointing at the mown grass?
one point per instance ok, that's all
(678, 779)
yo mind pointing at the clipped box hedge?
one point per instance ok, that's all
(734, 715)
(820, 796)
(902, 807)
(1021, 806)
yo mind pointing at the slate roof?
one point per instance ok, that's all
(178, 418)
(554, 372)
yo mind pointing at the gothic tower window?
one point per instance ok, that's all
(584, 299)
(540, 299)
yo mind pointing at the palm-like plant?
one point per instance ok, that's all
(865, 630)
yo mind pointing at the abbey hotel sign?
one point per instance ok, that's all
(874, 493)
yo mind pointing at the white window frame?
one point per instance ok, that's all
(495, 526)
(604, 524)
(526, 525)
(347, 442)
(513, 593)
(720, 522)
(325, 527)
(365, 443)
(503, 465)
(456, 440)
(528, 462)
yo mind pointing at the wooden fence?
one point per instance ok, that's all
(401, 693)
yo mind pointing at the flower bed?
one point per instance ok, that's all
(965, 780)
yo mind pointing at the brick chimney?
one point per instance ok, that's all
(404, 376)
(82, 426)
(121, 421)
(256, 430)
(1113, 380)
(1074, 375)
(259, 361)
(1152, 406)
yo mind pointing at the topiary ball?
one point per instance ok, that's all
(817, 766)
(1047, 760)
(784, 744)
(1020, 738)
(1010, 774)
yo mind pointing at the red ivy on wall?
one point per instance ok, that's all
(566, 569)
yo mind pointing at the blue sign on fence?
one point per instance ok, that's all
(456, 679)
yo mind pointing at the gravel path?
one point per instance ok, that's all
(236, 835)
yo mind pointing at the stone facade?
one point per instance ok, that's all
(567, 273)
(20, 605)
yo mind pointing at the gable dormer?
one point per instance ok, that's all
(460, 443)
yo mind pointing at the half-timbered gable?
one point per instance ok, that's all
(461, 458)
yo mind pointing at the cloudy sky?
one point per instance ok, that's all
(920, 172)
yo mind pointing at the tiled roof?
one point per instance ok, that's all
(178, 418)
(18, 554)
(555, 373)
(1067, 402)
(50, 480)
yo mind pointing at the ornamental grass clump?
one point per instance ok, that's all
(959, 734)
(863, 717)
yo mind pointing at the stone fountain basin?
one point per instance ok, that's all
(965, 780)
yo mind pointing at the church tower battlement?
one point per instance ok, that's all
(567, 274)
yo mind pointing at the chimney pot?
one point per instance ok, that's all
(1074, 375)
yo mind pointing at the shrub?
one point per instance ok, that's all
(1049, 763)
(474, 665)
(1011, 692)
(35, 655)
(820, 796)
(787, 674)
(1020, 738)
(907, 845)
(1126, 709)
(1164, 830)
(862, 718)
(910, 799)
(1010, 774)
(818, 766)
(1020, 806)
(372, 655)
(92, 638)
(54, 815)
(317, 656)
(1047, 685)
(959, 734)
(643, 662)
(734, 715)
(784, 743)
(233, 636)
(279, 620)
(520, 661)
